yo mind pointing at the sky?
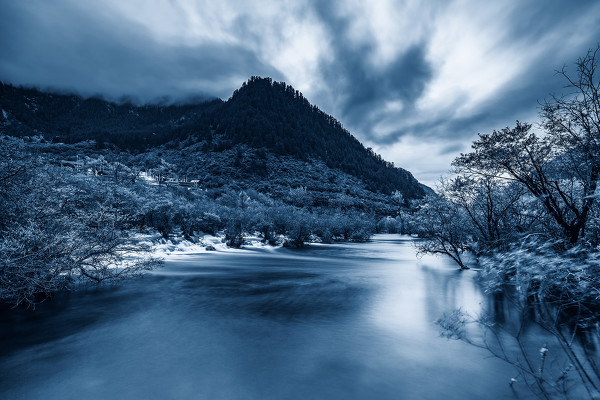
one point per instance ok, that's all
(414, 80)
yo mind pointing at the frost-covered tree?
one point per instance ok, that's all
(560, 168)
(443, 228)
(496, 209)
(519, 155)
(59, 227)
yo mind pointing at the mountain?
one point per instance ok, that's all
(261, 127)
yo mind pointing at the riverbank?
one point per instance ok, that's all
(177, 245)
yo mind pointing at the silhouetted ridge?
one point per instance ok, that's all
(71, 118)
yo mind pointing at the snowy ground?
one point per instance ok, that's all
(178, 246)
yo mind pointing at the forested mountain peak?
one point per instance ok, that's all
(264, 88)
(274, 115)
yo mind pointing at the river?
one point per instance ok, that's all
(340, 321)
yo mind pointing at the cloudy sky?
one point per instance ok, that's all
(415, 80)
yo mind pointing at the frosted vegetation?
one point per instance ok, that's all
(85, 182)
(89, 220)
(523, 205)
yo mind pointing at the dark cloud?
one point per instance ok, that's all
(520, 98)
(73, 49)
(366, 90)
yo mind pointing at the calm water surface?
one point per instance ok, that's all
(344, 321)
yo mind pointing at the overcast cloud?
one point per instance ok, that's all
(414, 80)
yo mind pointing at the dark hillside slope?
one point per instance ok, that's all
(264, 113)
(71, 118)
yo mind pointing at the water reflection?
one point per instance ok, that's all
(350, 321)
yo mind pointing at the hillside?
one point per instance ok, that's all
(262, 120)
(71, 119)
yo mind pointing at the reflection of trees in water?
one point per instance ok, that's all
(551, 341)
(447, 289)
